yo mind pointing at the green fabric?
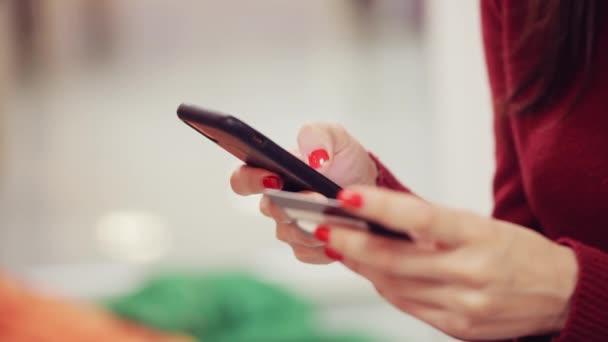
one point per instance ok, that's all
(224, 308)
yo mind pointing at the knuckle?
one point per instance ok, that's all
(265, 206)
(276, 213)
(299, 253)
(306, 127)
(386, 205)
(306, 254)
(282, 232)
(477, 307)
(338, 128)
(354, 266)
(388, 282)
(477, 273)
(427, 216)
(308, 241)
(387, 260)
(300, 238)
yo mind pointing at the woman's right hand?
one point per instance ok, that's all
(331, 151)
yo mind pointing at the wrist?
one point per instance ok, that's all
(567, 278)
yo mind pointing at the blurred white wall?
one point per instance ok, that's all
(90, 139)
(462, 113)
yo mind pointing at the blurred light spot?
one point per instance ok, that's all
(135, 237)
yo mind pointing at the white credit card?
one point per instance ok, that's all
(309, 212)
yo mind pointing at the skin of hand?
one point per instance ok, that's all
(332, 151)
(473, 277)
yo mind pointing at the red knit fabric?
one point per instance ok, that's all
(385, 178)
(551, 169)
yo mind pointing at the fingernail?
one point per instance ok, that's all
(271, 182)
(322, 233)
(350, 199)
(333, 254)
(317, 158)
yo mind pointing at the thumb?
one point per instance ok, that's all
(319, 143)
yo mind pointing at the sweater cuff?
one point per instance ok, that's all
(588, 317)
(385, 178)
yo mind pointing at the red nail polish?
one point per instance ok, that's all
(271, 182)
(350, 199)
(322, 233)
(317, 158)
(333, 254)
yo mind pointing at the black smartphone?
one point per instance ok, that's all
(255, 149)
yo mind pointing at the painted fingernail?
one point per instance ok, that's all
(350, 199)
(271, 182)
(322, 233)
(317, 158)
(333, 254)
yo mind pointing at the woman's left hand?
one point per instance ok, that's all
(470, 276)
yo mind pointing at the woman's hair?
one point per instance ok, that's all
(564, 32)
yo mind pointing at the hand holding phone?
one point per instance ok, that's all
(345, 160)
(349, 164)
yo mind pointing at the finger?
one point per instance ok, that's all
(302, 238)
(288, 230)
(265, 205)
(294, 236)
(435, 293)
(320, 142)
(461, 326)
(422, 220)
(419, 290)
(247, 180)
(395, 257)
(282, 232)
(311, 255)
(437, 317)
(409, 288)
(276, 213)
(431, 315)
(398, 301)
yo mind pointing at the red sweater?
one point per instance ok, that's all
(551, 172)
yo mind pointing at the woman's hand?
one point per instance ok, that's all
(330, 150)
(473, 277)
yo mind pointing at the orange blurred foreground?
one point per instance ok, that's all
(28, 316)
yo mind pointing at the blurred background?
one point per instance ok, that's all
(101, 185)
